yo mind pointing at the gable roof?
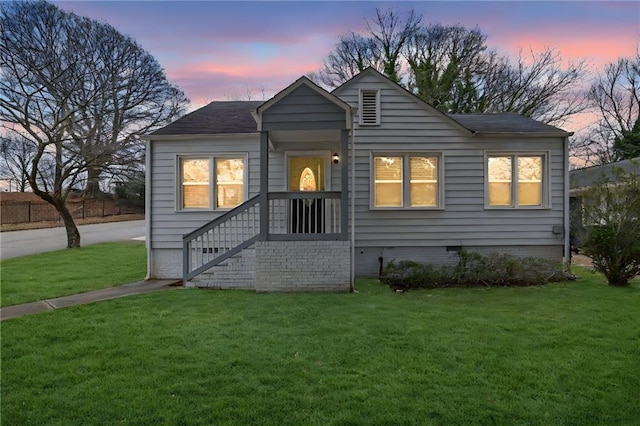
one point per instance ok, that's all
(215, 118)
(372, 71)
(478, 123)
(303, 81)
(507, 123)
(241, 116)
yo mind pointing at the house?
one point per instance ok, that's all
(581, 180)
(309, 189)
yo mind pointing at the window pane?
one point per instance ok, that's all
(388, 181)
(529, 181)
(196, 196)
(230, 182)
(499, 170)
(424, 194)
(389, 194)
(424, 178)
(499, 194)
(195, 183)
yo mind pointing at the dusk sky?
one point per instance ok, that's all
(225, 50)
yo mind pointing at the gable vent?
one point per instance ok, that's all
(369, 107)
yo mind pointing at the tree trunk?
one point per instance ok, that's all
(73, 235)
(93, 183)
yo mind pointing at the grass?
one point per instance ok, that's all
(60, 273)
(557, 354)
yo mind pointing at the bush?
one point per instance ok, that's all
(474, 270)
(612, 228)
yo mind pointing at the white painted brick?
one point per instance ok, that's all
(302, 266)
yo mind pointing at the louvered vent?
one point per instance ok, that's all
(369, 107)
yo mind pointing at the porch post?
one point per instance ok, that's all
(264, 185)
(344, 195)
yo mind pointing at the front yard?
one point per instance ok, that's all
(71, 271)
(564, 353)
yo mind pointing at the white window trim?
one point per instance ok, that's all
(361, 109)
(311, 153)
(406, 179)
(213, 187)
(545, 202)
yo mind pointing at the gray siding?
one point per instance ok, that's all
(169, 224)
(303, 109)
(407, 126)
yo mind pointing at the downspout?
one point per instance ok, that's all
(147, 208)
(567, 236)
(353, 205)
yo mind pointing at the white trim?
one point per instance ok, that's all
(545, 197)
(406, 179)
(312, 153)
(178, 193)
(348, 110)
(198, 136)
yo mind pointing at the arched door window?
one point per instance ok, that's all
(308, 180)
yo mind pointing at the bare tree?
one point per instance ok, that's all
(380, 49)
(391, 34)
(352, 54)
(81, 93)
(543, 90)
(16, 154)
(615, 96)
(452, 68)
(444, 64)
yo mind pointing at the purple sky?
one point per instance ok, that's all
(225, 50)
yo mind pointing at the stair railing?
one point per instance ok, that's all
(221, 238)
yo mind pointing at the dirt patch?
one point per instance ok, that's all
(581, 260)
(87, 221)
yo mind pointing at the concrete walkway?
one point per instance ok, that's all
(139, 287)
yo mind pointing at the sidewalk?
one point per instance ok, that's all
(139, 287)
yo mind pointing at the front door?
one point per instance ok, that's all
(306, 174)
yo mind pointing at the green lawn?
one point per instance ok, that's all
(564, 353)
(60, 273)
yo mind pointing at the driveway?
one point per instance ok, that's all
(21, 243)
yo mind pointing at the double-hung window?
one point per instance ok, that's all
(211, 182)
(406, 181)
(516, 180)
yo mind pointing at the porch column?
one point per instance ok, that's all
(264, 185)
(344, 195)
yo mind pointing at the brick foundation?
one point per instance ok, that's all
(302, 266)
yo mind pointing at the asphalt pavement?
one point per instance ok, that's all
(33, 241)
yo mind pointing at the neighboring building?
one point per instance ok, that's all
(582, 179)
(309, 189)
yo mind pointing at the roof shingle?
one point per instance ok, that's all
(215, 118)
(235, 117)
(504, 123)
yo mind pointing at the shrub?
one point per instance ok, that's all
(474, 269)
(611, 214)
